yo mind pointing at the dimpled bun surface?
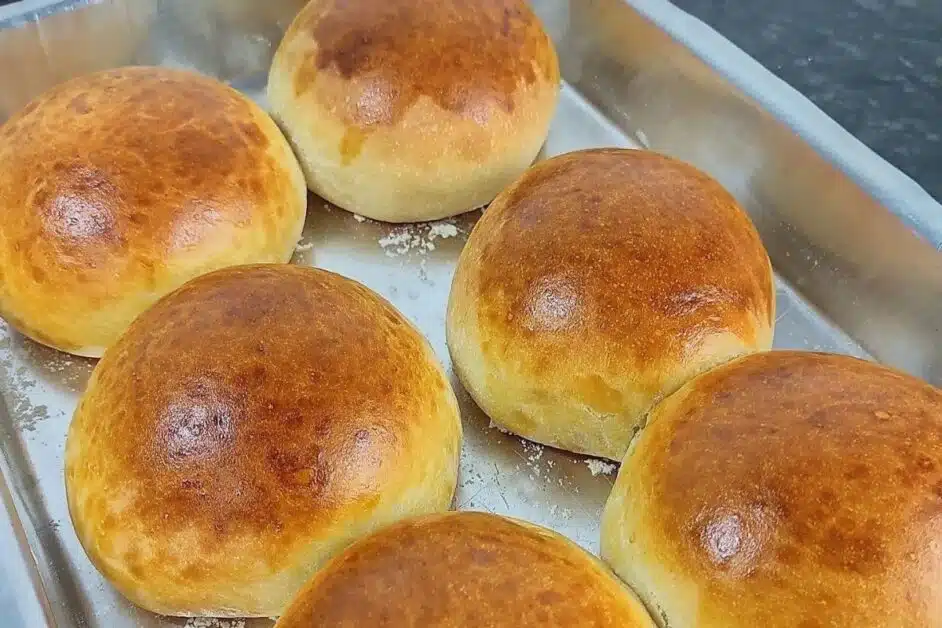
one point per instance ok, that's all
(597, 284)
(247, 427)
(407, 110)
(118, 187)
(782, 490)
(464, 569)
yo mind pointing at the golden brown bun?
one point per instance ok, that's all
(464, 569)
(247, 427)
(118, 187)
(595, 285)
(782, 490)
(404, 110)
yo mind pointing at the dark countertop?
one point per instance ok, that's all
(874, 66)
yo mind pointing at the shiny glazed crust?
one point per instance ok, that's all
(247, 427)
(786, 489)
(118, 187)
(595, 285)
(464, 569)
(405, 110)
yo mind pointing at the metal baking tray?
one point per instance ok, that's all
(854, 242)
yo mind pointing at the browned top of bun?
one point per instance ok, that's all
(798, 489)
(256, 402)
(625, 251)
(455, 53)
(464, 569)
(135, 164)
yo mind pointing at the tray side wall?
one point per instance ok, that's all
(848, 232)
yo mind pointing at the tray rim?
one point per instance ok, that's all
(877, 177)
(893, 189)
(24, 11)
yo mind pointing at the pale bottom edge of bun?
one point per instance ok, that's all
(411, 197)
(615, 555)
(404, 220)
(553, 415)
(554, 444)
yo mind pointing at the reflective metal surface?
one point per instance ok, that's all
(854, 241)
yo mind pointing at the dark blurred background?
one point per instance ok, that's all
(875, 66)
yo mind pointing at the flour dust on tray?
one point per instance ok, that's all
(212, 622)
(600, 467)
(419, 238)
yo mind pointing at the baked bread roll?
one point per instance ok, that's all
(786, 489)
(464, 569)
(597, 284)
(247, 427)
(406, 110)
(119, 186)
